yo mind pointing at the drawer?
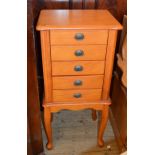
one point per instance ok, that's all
(77, 37)
(83, 52)
(76, 95)
(77, 82)
(78, 68)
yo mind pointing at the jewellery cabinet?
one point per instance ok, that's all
(78, 49)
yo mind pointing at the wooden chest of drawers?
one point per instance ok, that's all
(77, 54)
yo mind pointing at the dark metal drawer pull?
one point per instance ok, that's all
(79, 53)
(78, 82)
(77, 95)
(78, 68)
(79, 36)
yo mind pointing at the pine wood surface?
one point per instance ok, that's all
(78, 99)
(90, 52)
(87, 95)
(68, 82)
(67, 37)
(109, 63)
(78, 19)
(67, 68)
(47, 72)
(58, 106)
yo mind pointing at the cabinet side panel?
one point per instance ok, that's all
(109, 63)
(46, 60)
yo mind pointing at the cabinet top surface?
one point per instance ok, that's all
(77, 19)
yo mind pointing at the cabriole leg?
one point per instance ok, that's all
(102, 124)
(48, 127)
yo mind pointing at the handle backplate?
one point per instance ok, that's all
(77, 82)
(77, 95)
(79, 36)
(78, 68)
(79, 53)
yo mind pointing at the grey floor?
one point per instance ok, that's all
(75, 133)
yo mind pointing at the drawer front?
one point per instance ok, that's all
(85, 52)
(76, 95)
(77, 82)
(78, 68)
(77, 37)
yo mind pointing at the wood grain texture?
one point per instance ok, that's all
(118, 12)
(68, 95)
(78, 19)
(55, 4)
(90, 52)
(109, 63)
(58, 106)
(106, 4)
(110, 5)
(67, 68)
(35, 144)
(67, 37)
(89, 4)
(45, 46)
(68, 82)
(121, 9)
(76, 4)
(63, 26)
(101, 4)
(117, 7)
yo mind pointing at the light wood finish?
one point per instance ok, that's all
(90, 52)
(104, 119)
(67, 68)
(109, 63)
(67, 82)
(77, 19)
(99, 30)
(58, 106)
(67, 37)
(84, 135)
(48, 128)
(68, 95)
(47, 72)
